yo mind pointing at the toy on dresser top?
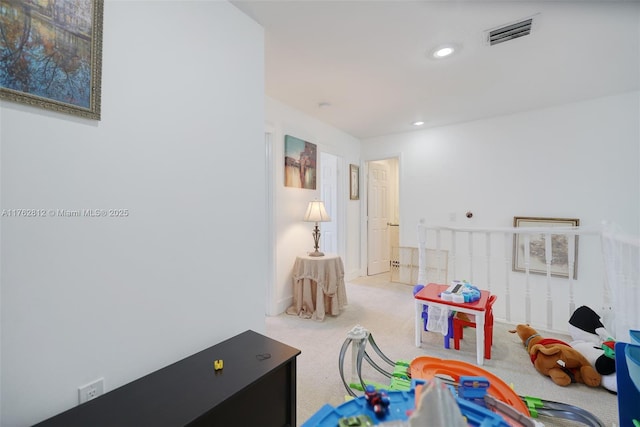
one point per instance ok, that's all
(461, 291)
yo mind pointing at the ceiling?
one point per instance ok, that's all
(369, 59)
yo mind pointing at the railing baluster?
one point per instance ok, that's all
(470, 243)
(570, 265)
(548, 257)
(453, 256)
(488, 237)
(422, 253)
(439, 258)
(527, 294)
(508, 250)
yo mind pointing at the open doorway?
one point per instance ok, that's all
(383, 213)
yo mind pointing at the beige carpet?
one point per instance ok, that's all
(386, 310)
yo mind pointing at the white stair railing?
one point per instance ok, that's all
(531, 293)
(622, 259)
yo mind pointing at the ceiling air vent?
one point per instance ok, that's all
(509, 32)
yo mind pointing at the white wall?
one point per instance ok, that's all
(181, 146)
(579, 160)
(292, 235)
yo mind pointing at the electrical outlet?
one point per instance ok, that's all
(91, 390)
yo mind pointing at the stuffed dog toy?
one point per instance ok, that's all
(557, 359)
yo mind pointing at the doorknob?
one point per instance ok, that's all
(392, 225)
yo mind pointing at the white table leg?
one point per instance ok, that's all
(418, 307)
(480, 337)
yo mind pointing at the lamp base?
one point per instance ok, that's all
(316, 253)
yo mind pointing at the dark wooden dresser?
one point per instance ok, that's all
(255, 388)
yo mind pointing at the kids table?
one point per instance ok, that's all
(430, 296)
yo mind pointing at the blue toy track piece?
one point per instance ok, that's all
(473, 389)
(400, 404)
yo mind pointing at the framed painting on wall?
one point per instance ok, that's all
(354, 182)
(537, 247)
(51, 54)
(299, 163)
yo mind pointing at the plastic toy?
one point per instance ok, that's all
(595, 343)
(628, 377)
(357, 338)
(218, 365)
(460, 322)
(401, 403)
(602, 363)
(499, 397)
(425, 318)
(438, 406)
(557, 359)
(377, 399)
(426, 367)
(585, 325)
(357, 421)
(461, 291)
(473, 389)
(328, 416)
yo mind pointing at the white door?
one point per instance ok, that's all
(329, 193)
(378, 218)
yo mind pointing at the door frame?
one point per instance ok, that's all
(341, 202)
(331, 205)
(271, 306)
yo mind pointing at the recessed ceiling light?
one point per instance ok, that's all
(444, 51)
(418, 123)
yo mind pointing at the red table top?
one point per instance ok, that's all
(431, 292)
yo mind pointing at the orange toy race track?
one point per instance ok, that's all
(426, 367)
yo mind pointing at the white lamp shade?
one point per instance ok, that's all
(316, 212)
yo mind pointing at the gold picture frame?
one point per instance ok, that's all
(354, 182)
(51, 55)
(537, 247)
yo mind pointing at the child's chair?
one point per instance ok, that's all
(425, 318)
(459, 324)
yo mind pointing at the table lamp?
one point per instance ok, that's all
(316, 213)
